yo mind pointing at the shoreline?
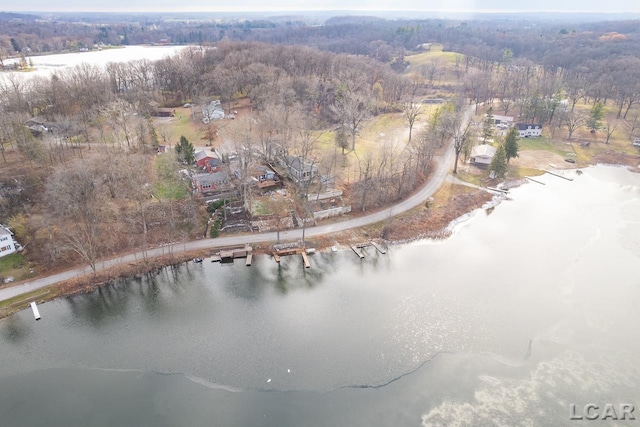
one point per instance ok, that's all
(138, 269)
(419, 223)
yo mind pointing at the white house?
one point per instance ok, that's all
(529, 130)
(481, 155)
(7, 245)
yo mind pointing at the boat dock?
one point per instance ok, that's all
(357, 252)
(304, 252)
(378, 248)
(227, 255)
(499, 190)
(559, 176)
(305, 259)
(535, 180)
(356, 248)
(34, 308)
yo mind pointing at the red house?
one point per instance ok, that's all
(203, 156)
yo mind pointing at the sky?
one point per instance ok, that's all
(288, 5)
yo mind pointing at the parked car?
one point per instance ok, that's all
(570, 160)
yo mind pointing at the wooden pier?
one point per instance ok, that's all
(357, 252)
(378, 248)
(34, 308)
(228, 254)
(499, 190)
(534, 180)
(305, 259)
(304, 252)
(559, 176)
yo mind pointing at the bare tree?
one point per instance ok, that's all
(573, 121)
(74, 195)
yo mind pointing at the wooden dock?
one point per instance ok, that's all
(304, 252)
(498, 190)
(559, 176)
(534, 180)
(305, 259)
(378, 248)
(228, 254)
(249, 259)
(36, 313)
(357, 252)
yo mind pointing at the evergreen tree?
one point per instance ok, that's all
(487, 126)
(511, 144)
(499, 162)
(185, 151)
(595, 117)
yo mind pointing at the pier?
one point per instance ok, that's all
(278, 253)
(34, 308)
(559, 176)
(534, 180)
(357, 252)
(305, 260)
(378, 248)
(227, 255)
(499, 190)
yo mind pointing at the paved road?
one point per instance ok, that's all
(437, 179)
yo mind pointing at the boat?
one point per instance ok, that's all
(197, 260)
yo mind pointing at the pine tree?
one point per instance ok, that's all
(511, 144)
(185, 150)
(499, 162)
(487, 126)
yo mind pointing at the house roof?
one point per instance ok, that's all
(484, 150)
(501, 118)
(214, 163)
(5, 231)
(211, 177)
(296, 163)
(203, 154)
(525, 126)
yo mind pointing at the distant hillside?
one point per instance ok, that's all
(8, 16)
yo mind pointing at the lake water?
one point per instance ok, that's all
(46, 65)
(525, 310)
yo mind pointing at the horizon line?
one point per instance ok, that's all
(438, 11)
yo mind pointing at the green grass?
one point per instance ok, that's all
(169, 184)
(521, 172)
(7, 267)
(475, 179)
(24, 299)
(181, 124)
(541, 144)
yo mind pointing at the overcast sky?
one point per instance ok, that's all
(284, 5)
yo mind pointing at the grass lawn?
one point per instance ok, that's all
(543, 144)
(172, 128)
(7, 269)
(169, 185)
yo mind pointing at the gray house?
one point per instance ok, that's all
(299, 170)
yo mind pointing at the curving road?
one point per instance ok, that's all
(437, 179)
